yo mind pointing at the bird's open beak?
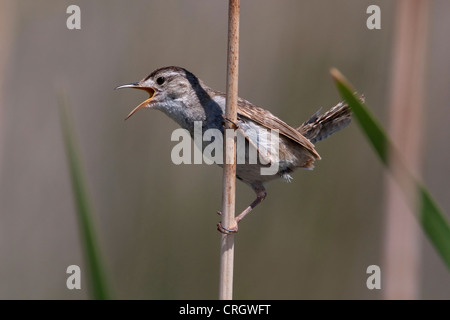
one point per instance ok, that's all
(144, 104)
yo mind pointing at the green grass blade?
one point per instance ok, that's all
(97, 281)
(369, 125)
(435, 224)
(431, 218)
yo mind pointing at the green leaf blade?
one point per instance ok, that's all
(97, 279)
(432, 220)
(372, 130)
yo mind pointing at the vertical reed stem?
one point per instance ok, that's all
(229, 168)
(402, 245)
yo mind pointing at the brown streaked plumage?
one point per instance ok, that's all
(268, 120)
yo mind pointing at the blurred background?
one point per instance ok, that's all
(156, 222)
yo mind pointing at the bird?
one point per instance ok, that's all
(188, 100)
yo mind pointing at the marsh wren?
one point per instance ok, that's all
(187, 100)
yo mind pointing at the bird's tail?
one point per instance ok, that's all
(320, 126)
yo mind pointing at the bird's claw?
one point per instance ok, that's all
(235, 125)
(227, 230)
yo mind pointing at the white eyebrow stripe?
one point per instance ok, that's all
(173, 74)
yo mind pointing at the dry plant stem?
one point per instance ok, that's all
(229, 182)
(402, 243)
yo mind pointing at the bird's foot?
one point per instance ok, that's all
(227, 230)
(235, 125)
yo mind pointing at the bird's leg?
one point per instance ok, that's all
(260, 196)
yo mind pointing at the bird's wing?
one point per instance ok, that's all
(268, 120)
(261, 151)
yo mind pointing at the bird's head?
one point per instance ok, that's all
(169, 89)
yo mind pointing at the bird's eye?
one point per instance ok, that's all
(160, 80)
